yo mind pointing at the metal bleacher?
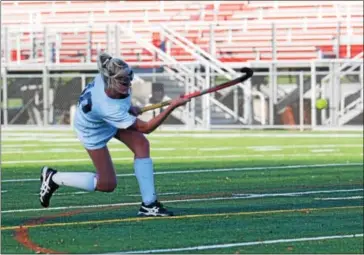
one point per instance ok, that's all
(241, 30)
(143, 32)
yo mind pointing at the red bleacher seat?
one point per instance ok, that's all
(244, 27)
(354, 50)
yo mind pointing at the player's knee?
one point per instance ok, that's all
(107, 185)
(110, 187)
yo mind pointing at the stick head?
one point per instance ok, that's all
(249, 72)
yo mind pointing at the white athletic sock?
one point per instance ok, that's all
(86, 181)
(143, 169)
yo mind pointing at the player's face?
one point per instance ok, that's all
(123, 88)
(124, 83)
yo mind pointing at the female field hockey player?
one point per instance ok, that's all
(104, 111)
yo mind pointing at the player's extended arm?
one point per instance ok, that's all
(151, 125)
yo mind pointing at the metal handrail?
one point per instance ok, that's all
(262, 107)
(345, 65)
(206, 59)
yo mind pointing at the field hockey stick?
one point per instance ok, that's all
(248, 73)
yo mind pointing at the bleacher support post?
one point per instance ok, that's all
(206, 100)
(108, 39)
(274, 48)
(271, 92)
(33, 53)
(331, 89)
(6, 45)
(83, 82)
(273, 81)
(89, 44)
(5, 96)
(73, 106)
(45, 46)
(313, 94)
(45, 95)
(189, 111)
(161, 6)
(212, 41)
(117, 40)
(301, 110)
(18, 57)
(248, 103)
(236, 103)
(362, 82)
(338, 35)
(336, 94)
(324, 94)
(58, 42)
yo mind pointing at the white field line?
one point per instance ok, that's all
(308, 155)
(339, 198)
(33, 134)
(159, 194)
(19, 147)
(58, 150)
(166, 201)
(246, 196)
(60, 141)
(75, 140)
(30, 135)
(112, 205)
(38, 139)
(295, 194)
(70, 150)
(220, 170)
(270, 148)
(219, 246)
(4, 191)
(323, 150)
(68, 193)
(216, 148)
(207, 134)
(27, 145)
(263, 134)
(66, 143)
(87, 192)
(273, 147)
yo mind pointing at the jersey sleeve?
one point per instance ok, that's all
(119, 117)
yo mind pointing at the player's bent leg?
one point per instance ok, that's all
(104, 180)
(135, 141)
(51, 179)
(106, 176)
(144, 172)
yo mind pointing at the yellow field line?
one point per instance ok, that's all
(136, 219)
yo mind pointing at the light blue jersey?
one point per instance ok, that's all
(98, 117)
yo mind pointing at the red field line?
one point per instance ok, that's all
(22, 234)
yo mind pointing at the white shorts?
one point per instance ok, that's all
(97, 138)
(92, 136)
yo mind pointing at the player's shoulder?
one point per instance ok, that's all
(98, 80)
(97, 88)
(111, 106)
